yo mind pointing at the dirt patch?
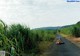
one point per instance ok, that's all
(77, 40)
(74, 40)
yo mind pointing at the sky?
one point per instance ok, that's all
(39, 13)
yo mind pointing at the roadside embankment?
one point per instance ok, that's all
(74, 40)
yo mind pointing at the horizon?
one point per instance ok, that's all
(54, 26)
(36, 14)
(43, 26)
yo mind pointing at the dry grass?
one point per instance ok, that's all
(72, 38)
(76, 39)
(43, 46)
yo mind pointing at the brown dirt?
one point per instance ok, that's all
(73, 39)
(77, 40)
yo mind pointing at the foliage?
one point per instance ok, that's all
(67, 30)
(73, 30)
(76, 30)
(19, 40)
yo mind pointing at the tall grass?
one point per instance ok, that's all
(19, 40)
(73, 30)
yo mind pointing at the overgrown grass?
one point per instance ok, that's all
(73, 30)
(19, 40)
(44, 45)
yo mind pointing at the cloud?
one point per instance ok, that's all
(9, 2)
(39, 13)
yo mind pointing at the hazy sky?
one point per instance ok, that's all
(39, 13)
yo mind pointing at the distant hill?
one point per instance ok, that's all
(47, 28)
(67, 26)
(52, 28)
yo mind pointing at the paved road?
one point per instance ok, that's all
(67, 49)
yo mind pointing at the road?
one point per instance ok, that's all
(67, 49)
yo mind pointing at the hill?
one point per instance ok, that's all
(52, 28)
(47, 28)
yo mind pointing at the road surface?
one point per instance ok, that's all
(67, 49)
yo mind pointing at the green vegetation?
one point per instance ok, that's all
(76, 30)
(67, 30)
(73, 30)
(19, 40)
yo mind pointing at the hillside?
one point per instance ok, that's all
(47, 28)
(73, 30)
(52, 28)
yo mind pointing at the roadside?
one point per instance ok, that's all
(67, 49)
(74, 40)
(43, 46)
(48, 50)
